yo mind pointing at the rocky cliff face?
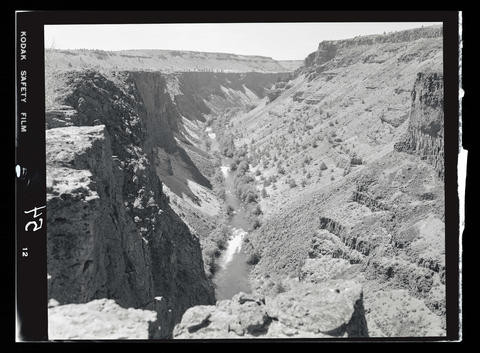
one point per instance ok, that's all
(327, 50)
(332, 309)
(111, 231)
(425, 130)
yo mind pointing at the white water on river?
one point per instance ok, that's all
(234, 246)
(232, 275)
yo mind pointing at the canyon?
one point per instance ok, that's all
(205, 195)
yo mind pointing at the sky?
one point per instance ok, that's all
(280, 41)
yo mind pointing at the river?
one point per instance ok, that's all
(232, 274)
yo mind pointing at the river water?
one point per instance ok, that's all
(232, 274)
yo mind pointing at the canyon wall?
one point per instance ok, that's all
(327, 50)
(339, 195)
(111, 231)
(425, 135)
(204, 93)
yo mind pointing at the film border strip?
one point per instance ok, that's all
(31, 251)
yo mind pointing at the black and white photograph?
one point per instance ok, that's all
(245, 180)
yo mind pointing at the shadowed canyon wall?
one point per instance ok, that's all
(111, 231)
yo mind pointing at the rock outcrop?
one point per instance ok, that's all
(99, 319)
(426, 127)
(328, 49)
(111, 231)
(325, 52)
(330, 309)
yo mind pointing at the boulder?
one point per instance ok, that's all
(331, 309)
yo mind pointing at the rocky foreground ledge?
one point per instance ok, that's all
(99, 319)
(332, 309)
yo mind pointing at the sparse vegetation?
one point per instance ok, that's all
(264, 193)
(253, 259)
(279, 288)
(273, 94)
(257, 210)
(256, 224)
(355, 160)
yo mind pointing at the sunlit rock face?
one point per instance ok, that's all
(425, 135)
(331, 309)
(100, 319)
